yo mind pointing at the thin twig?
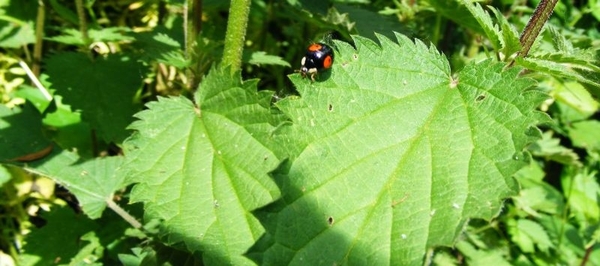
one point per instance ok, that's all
(35, 80)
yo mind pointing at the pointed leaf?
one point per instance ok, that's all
(21, 135)
(396, 155)
(59, 240)
(202, 169)
(510, 36)
(103, 89)
(485, 21)
(93, 182)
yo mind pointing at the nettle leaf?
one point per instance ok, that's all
(74, 36)
(485, 21)
(549, 148)
(510, 37)
(397, 155)
(17, 26)
(585, 134)
(59, 240)
(365, 21)
(457, 12)
(481, 257)
(202, 169)
(526, 233)
(93, 182)
(262, 58)
(565, 66)
(103, 89)
(21, 135)
(160, 47)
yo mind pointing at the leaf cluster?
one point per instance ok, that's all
(431, 140)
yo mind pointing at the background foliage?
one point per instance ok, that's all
(419, 146)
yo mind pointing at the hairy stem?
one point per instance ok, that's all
(82, 22)
(536, 23)
(236, 33)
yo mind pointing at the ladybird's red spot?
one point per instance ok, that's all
(327, 62)
(315, 47)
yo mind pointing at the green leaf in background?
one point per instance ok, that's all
(262, 58)
(312, 6)
(569, 241)
(73, 239)
(585, 134)
(103, 89)
(537, 196)
(457, 12)
(510, 37)
(17, 22)
(573, 100)
(33, 95)
(568, 67)
(550, 148)
(5, 175)
(481, 257)
(396, 154)
(21, 136)
(582, 189)
(367, 23)
(202, 169)
(68, 130)
(74, 37)
(485, 21)
(164, 255)
(529, 235)
(64, 12)
(59, 240)
(93, 182)
(160, 47)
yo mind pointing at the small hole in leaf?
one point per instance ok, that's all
(330, 107)
(355, 56)
(480, 98)
(330, 221)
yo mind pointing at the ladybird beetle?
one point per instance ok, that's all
(319, 56)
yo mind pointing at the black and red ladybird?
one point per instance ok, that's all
(319, 56)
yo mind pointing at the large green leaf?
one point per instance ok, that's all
(59, 240)
(68, 238)
(202, 169)
(21, 134)
(102, 88)
(393, 155)
(93, 182)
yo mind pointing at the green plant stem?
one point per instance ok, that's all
(125, 215)
(39, 37)
(194, 77)
(197, 22)
(236, 33)
(82, 22)
(536, 23)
